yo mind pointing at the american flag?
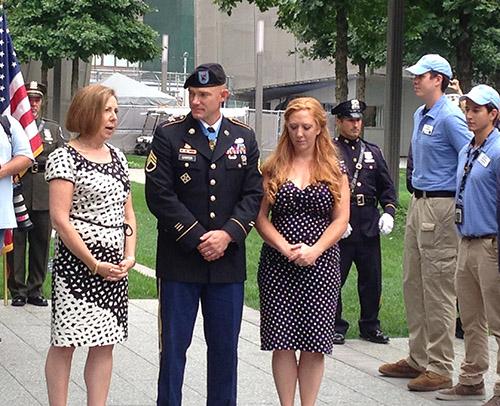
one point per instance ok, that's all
(13, 97)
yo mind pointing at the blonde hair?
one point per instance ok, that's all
(85, 112)
(325, 167)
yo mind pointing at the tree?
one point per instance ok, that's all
(332, 30)
(466, 32)
(79, 29)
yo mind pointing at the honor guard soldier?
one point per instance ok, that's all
(370, 185)
(204, 186)
(431, 242)
(36, 195)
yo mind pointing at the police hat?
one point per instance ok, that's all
(206, 75)
(351, 109)
(35, 88)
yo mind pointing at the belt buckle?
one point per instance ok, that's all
(360, 200)
(34, 167)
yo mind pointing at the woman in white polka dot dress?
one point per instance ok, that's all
(307, 193)
(91, 210)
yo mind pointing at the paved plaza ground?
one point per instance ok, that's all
(351, 376)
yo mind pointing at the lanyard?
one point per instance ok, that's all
(359, 165)
(468, 167)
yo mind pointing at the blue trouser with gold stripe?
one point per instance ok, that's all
(222, 306)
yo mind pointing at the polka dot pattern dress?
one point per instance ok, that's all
(297, 304)
(86, 309)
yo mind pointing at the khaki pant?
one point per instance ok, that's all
(478, 292)
(429, 263)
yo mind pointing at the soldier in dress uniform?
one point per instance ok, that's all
(370, 185)
(28, 288)
(204, 186)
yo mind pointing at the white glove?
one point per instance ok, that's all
(386, 223)
(347, 232)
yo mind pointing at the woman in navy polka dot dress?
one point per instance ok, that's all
(307, 193)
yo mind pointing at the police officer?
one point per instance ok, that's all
(204, 187)
(36, 195)
(430, 248)
(370, 185)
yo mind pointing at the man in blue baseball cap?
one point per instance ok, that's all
(477, 278)
(430, 248)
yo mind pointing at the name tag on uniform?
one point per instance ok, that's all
(187, 158)
(427, 129)
(483, 159)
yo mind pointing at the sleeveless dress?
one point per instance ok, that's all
(86, 309)
(297, 304)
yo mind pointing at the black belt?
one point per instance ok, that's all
(479, 237)
(433, 193)
(37, 167)
(363, 200)
(125, 226)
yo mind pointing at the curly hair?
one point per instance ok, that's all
(325, 167)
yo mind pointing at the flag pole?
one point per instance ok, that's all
(5, 276)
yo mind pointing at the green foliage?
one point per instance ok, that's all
(442, 27)
(48, 30)
(430, 27)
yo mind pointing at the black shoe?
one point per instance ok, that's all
(338, 338)
(18, 301)
(375, 336)
(38, 301)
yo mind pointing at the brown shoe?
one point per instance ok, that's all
(400, 369)
(429, 381)
(460, 391)
(494, 401)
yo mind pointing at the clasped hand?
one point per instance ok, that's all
(113, 272)
(301, 254)
(213, 244)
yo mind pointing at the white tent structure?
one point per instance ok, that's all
(134, 98)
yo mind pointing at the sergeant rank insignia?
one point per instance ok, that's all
(151, 162)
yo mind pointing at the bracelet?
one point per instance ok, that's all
(94, 271)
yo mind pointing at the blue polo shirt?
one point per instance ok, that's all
(478, 197)
(438, 136)
(20, 146)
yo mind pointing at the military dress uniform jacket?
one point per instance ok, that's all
(35, 187)
(374, 186)
(191, 189)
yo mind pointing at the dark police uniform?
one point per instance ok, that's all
(36, 196)
(192, 189)
(373, 186)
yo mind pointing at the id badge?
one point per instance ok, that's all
(459, 213)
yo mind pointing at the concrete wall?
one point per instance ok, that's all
(231, 42)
